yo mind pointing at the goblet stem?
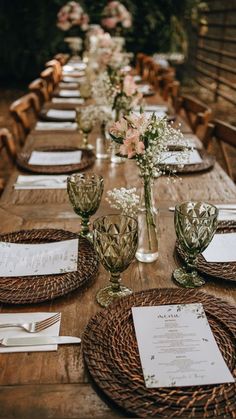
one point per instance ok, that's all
(85, 140)
(85, 226)
(115, 281)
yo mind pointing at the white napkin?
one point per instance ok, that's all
(41, 182)
(74, 66)
(55, 158)
(137, 79)
(144, 88)
(227, 212)
(79, 101)
(69, 93)
(65, 85)
(61, 114)
(53, 330)
(49, 126)
(222, 248)
(179, 157)
(67, 79)
(74, 73)
(155, 108)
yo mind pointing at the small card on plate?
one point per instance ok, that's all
(180, 157)
(17, 259)
(177, 347)
(222, 248)
(69, 93)
(55, 158)
(61, 114)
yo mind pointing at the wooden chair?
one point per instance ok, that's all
(139, 63)
(39, 87)
(7, 149)
(24, 112)
(48, 76)
(197, 113)
(57, 70)
(220, 138)
(62, 58)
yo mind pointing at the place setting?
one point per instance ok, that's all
(55, 160)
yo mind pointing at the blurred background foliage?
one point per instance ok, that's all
(29, 35)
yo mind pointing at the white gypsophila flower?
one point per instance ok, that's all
(124, 199)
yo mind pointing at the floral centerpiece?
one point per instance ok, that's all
(72, 14)
(116, 17)
(147, 140)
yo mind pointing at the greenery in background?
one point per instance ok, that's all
(29, 35)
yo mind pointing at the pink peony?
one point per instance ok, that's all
(129, 86)
(132, 144)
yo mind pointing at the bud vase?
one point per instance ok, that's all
(102, 144)
(147, 223)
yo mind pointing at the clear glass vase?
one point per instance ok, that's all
(102, 144)
(148, 225)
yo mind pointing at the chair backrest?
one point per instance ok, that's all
(39, 87)
(224, 135)
(48, 76)
(57, 70)
(197, 113)
(7, 145)
(24, 112)
(139, 62)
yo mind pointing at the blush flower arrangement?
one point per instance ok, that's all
(146, 140)
(72, 14)
(116, 17)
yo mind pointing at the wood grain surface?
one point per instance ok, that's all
(56, 384)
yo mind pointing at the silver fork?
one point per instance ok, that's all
(35, 327)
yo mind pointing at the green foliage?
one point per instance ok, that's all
(29, 35)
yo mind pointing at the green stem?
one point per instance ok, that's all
(148, 206)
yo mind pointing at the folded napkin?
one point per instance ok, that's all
(41, 182)
(69, 93)
(79, 101)
(74, 73)
(64, 85)
(227, 212)
(61, 114)
(67, 80)
(53, 330)
(74, 66)
(50, 126)
(222, 248)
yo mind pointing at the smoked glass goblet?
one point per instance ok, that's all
(85, 126)
(85, 193)
(195, 226)
(115, 240)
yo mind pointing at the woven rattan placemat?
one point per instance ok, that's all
(111, 354)
(222, 270)
(35, 289)
(87, 160)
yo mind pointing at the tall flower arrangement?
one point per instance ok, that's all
(146, 139)
(70, 15)
(115, 16)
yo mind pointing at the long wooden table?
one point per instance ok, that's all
(56, 384)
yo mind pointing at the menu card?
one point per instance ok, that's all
(180, 157)
(61, 114)
(38, 259)
(177, 347)
(222, 248)
(55, 158)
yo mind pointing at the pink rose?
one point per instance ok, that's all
(129, 86)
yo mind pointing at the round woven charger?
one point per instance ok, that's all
(87, 160)
(111, 354)
(35, 289)
(207, 163)
(222, 270)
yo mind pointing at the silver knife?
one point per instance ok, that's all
(39, 340)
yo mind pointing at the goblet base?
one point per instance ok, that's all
(107, 295)
(188, 279)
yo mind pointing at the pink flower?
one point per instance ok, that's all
(119, 128)
(139, 122)
(109, 22)
(129, 86)
(132, 144)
